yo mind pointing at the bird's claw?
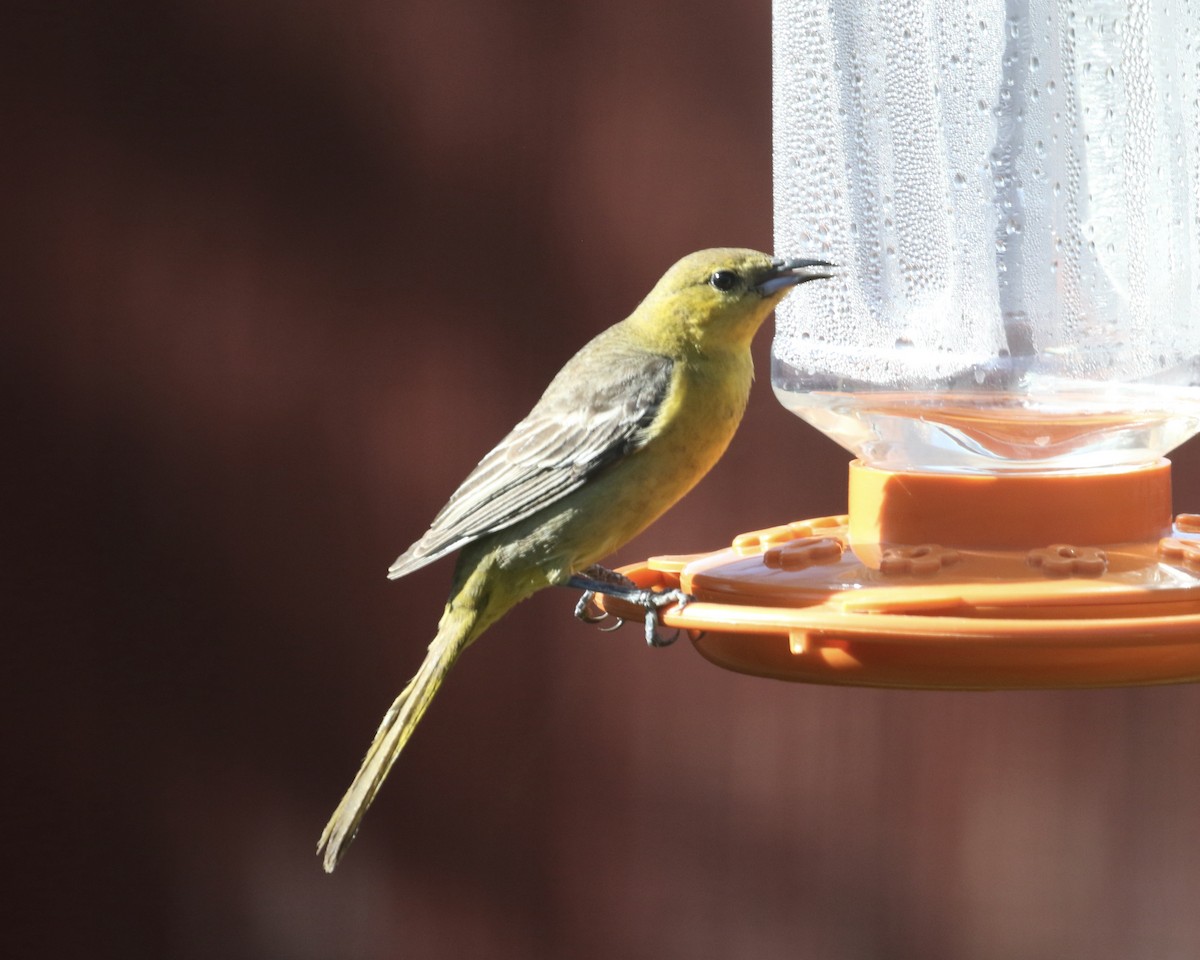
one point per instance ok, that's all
(654, 601)
(599, 580)
(584, 613)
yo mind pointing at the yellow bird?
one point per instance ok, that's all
(626, 428)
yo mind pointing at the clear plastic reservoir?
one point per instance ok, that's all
(1012, 193)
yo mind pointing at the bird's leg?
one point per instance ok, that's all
(587, 581)
(597, 579)
(597, 574)
(582, 608)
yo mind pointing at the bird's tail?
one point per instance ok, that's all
(460, 624)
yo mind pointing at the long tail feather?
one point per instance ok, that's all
(457, 629)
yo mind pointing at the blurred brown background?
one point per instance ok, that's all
(277, 274)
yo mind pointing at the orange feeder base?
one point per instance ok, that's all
(956, 582)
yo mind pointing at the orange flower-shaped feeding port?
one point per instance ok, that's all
(1180, 551)
(922, 561)
(1064, 560)
(803, 552)
(1188, 523)
(758, 541)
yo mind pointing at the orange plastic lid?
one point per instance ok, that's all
(1056, 580)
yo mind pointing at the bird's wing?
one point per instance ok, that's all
(586, 420)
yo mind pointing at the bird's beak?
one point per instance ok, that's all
(789, 273)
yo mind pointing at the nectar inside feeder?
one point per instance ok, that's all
(1010, 347)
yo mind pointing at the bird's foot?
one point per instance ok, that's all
(597, 579)
(653, 601)
(585, 611)
(588, 613)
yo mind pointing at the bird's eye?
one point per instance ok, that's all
(724, 280)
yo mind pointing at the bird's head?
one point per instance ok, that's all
(722, 296)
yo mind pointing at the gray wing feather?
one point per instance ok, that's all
(585, 421)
